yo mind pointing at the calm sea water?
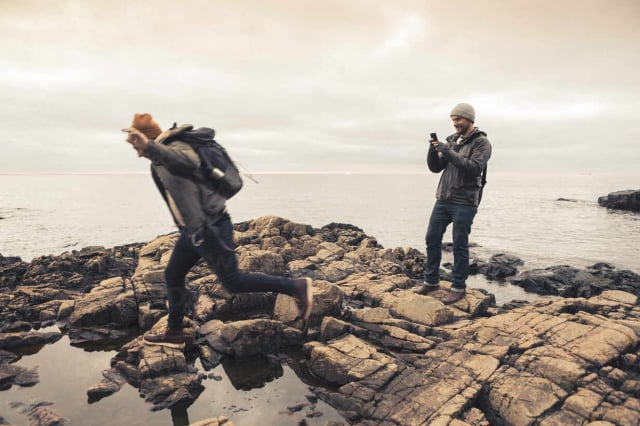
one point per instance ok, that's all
(520, 215)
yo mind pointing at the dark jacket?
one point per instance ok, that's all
(175, 168)
(461, 181)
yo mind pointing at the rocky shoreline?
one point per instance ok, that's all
(621, 200)
(381, 353)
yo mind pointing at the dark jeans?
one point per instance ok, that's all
(216, 247)
(441, 216)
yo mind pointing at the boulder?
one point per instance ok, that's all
(248, 337)
(568, 281)
(112, 302)
(622, 200)
(499, 266)
(327, 301)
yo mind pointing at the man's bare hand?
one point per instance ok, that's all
(137, 139)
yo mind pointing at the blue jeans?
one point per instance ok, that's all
(442, 215)
(216, 247)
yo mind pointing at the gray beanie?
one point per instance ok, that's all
(465, 111)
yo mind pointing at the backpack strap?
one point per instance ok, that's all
(483, 181)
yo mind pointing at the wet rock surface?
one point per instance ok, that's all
(377, 351)
(568, 281)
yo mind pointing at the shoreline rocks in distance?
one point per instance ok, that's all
(622, 200)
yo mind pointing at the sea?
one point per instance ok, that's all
(545, 220)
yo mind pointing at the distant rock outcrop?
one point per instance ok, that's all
(622, 200)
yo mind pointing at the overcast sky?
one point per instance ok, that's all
(344, 85)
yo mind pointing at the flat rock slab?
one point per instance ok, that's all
(15, 341)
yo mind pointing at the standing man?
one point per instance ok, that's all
(462, 159)
(205, 226)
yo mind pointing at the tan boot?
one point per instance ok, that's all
(304, 294)
(169, 338)
(453, 296)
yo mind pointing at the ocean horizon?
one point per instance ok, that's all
(543, 219)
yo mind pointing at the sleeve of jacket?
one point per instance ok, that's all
(178, 156)
(474, 165)
(435, 163)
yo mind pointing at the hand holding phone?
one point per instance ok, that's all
(434, 142)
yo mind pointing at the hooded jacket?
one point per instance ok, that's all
(175, 168)
(461, 180)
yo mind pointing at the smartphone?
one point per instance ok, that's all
(434, 137)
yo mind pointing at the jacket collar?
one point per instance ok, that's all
(175, 131)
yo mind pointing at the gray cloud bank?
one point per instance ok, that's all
(321, 86)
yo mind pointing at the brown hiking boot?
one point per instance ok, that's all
(304, 294)
(426, 288)
(453, 296)
(168, 338)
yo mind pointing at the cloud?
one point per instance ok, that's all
(402, 38)
(302, 85)
(536, 106)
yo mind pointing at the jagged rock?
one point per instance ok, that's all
(519, 398)
(162, 373)
(262, 261)
(568, 281)
(112, 302)
(348, 359)
(370, 288)
(414, 307)
(180, 389)
(552, 280)
(376, 386)
(341, 233)
(17, 326)
(110, 384)
(429, 310)
(38, 288)
(249, 337)
(388, 334)
(65, 309)
(40, 415)
(12, 269)
(4, 261)
(499, 267)
(622, 200)
(337, 270)
(80, 336)
(327, 301)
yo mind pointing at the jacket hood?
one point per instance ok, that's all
(476, 132)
